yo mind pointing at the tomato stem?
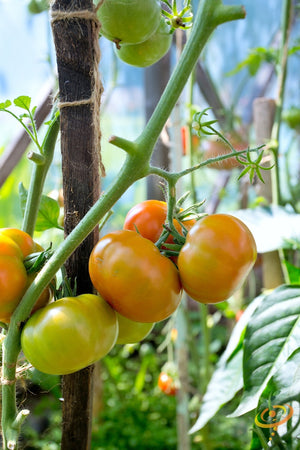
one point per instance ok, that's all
(38, 177)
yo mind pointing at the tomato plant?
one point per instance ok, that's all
(216, 258)
(150, 51)
(131, 274)
(166, 384)
(69, 334)
(130, 331)
(130, 21)
(148, 218)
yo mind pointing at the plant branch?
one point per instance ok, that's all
(38, 177)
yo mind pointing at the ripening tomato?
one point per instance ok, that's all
(69, 334)
(216, 258)
(166, 384)
(148, 52)
(129, 272)
(216, 147)
(129, 21)
(13, 282)
(148, 218)
(130, 331)
(21, 238)
(15, 245)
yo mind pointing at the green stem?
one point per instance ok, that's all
(30, 134)
(261, 438)
(282, 72)
(38, 178)
(190, 148)
(206, 345)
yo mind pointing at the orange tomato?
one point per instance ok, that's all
(129, 272)
(216, 258)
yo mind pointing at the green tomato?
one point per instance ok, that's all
(69, 334)
(150, 51)
(130, 331)
(129, 21)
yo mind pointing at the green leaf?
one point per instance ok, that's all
(5, 104)
(227, 379)
(272, 335)
(48, 213)
(282, 389)
(284, 386)
(23, 102)
(254, 60)
(293, 272)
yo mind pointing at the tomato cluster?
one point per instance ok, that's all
(15, 246)
(138, 282)
(217, 256)
(138, 29)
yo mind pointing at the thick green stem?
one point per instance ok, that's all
(38, 178)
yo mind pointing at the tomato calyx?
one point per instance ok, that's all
(184, 217)
(178, 19)
(35, 261)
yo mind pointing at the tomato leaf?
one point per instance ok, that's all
(293, 272)
(23, 102)
(5, 104)
(48, 213)
(272, 335)
(227, 379)
(282, 389)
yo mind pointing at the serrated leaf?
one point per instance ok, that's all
(5, 104)
(23, 102)
(48, 213)
(272, 335)
(227, 379)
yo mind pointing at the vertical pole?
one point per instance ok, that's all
(76, 31)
